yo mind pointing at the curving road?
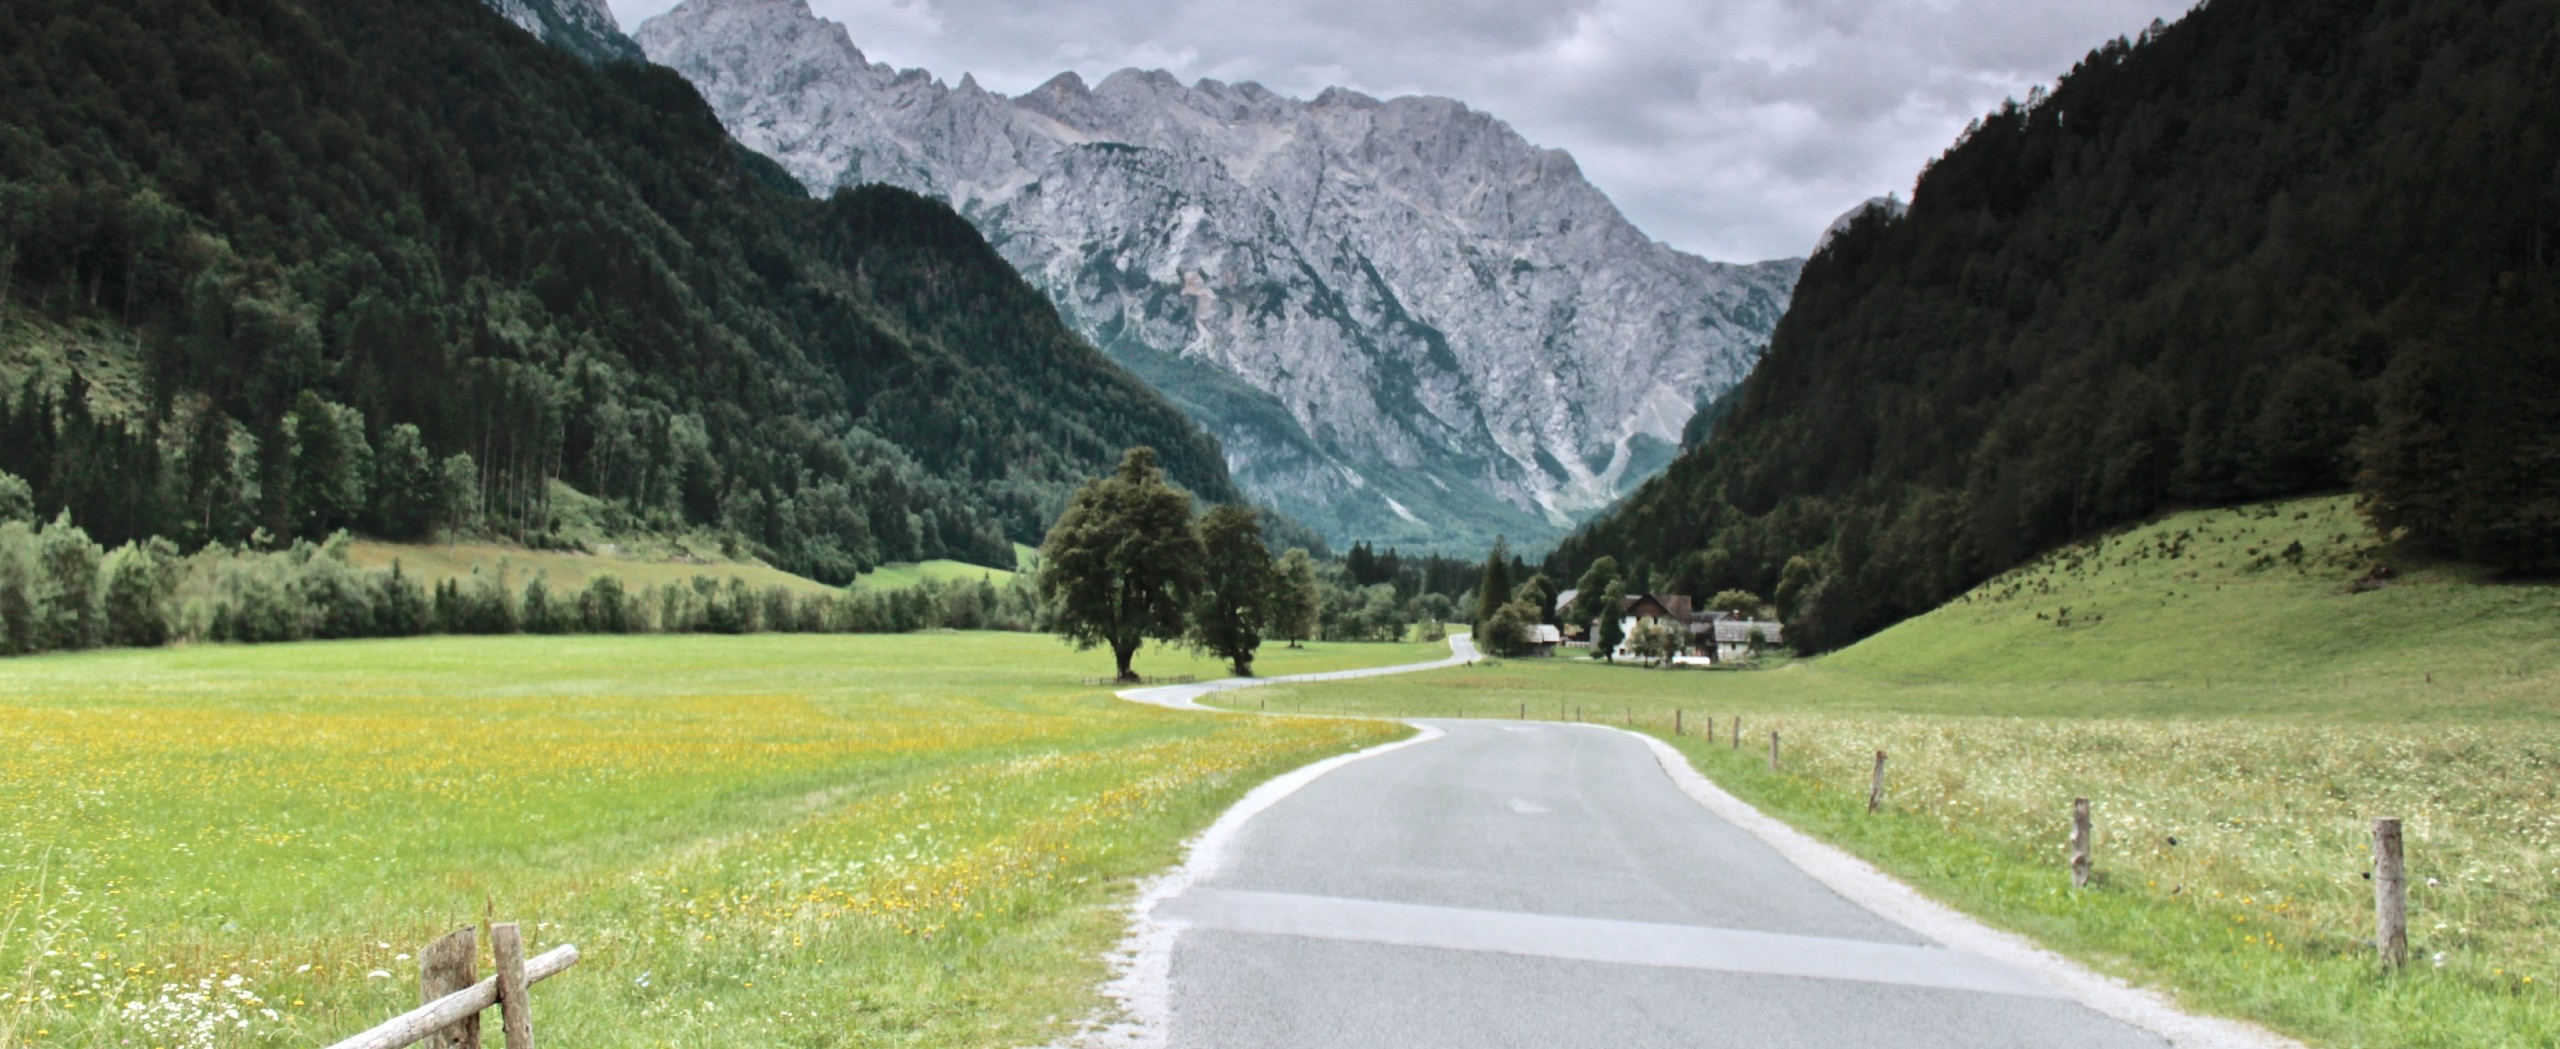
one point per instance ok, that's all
(1540, 884)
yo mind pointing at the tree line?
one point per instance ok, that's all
(60, 590)
(2276, 248)
(283, 268)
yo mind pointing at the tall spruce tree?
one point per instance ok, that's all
(1123, 563)
(1494, 590)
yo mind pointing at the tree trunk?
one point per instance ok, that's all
(1124, 653)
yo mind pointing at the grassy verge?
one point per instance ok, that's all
(2237, 716)
(876, 840)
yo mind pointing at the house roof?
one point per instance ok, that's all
(1564, 598)
(1543, 634)
(1671, 606)
(1738, 631)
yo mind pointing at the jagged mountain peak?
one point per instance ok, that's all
(1405, 322)
(585, 28)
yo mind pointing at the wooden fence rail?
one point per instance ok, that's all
(1098, 682)
(449, 1017)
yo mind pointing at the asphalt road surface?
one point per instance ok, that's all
(1530, 884)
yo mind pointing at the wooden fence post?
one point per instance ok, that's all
(1875, 787)
(2079, 843)
(1773, 750)
(1524, 711)
(448, 965)
(2390, 895)
(515, 1007)
(1675, 721)
(1737, 733)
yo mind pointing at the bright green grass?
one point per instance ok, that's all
(884, 840)
(2255, 710)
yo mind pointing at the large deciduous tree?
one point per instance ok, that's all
(1123, 563)
(1235, 594)
(1297, 598)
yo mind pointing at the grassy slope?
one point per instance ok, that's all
(2255, 711)
(915, 840)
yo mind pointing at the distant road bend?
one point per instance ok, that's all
(1537, 884)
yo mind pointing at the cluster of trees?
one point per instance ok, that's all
(285, 267)
(2275, 248)
(60, 590)
(1128, 562)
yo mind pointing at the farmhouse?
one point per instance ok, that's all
(1714, 636)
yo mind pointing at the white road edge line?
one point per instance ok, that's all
(1141, 986)
(1877, 891)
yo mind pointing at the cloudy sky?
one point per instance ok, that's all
(1736, 129)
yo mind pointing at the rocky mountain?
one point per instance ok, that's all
(1405, 323)
(585, 28)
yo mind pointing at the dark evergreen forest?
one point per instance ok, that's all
(2280, 247)
(270, 269)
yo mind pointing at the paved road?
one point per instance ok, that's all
(1547, 885)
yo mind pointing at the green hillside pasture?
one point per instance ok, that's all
(2320, 715)
(913, 840)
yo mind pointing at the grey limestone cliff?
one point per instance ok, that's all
(1405, 323)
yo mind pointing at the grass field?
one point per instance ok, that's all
(876, 840)
(2202, 686)
(436, 562)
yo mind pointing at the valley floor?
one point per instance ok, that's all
(2236, 713)
(919, 840)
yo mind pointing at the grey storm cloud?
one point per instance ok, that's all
(1736, 129)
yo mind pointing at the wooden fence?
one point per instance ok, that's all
(451, 995)
(1098, 682)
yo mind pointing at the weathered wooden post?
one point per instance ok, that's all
(515, 1007)
(1737, 733)
(448, 965)
(1675, 721)
(1875, 787)
(2390, 895)
(1524, 711)
(1773, 750)
(2079, 843)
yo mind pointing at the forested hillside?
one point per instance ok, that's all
(2277, 247)
(271, 268)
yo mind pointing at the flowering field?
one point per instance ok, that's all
(888, 840)
(2238, 715)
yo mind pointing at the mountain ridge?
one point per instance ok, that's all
(2217, 264)
(398, 247)
(1395, 314)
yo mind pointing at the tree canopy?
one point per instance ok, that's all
(1236, 591)
(1124, 563)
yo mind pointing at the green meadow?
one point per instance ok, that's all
(2238, 708)
(911, 840)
